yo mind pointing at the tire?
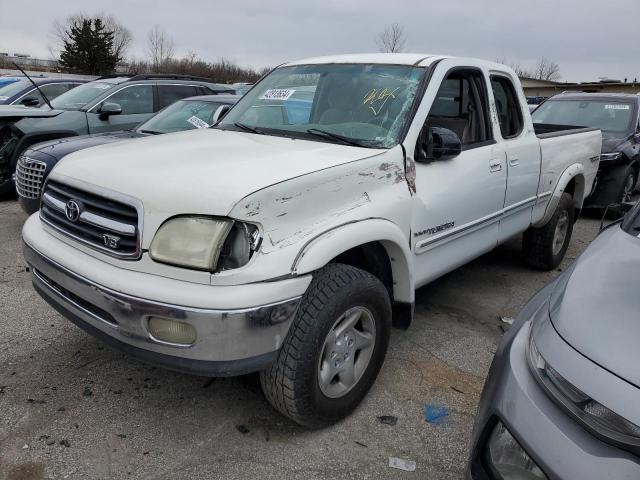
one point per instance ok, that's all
(616, 186)
(544, 248)
(294, 383)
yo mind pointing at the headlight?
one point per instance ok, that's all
(595, 417)
(204, 243)
(507, 459)
(610, 156)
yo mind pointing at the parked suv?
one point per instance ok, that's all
(617, 115)
(107, 104)
(20, 91)
(36, 162)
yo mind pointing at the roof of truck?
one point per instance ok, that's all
(382, 58)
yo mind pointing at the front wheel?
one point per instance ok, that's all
(334, 349)
(544, 248)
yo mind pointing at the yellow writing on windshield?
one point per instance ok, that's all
(376, 98)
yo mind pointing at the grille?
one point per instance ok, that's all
(104, 224)
(29, 175)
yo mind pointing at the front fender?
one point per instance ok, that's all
(322, 249)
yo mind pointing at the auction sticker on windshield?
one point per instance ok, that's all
(617, 107)
(277, 94)
(198, 123)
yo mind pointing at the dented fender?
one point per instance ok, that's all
(294, 214)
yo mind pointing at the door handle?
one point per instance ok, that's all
(514, 161)
(495, 166)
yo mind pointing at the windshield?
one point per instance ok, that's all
(78, 97)
(364, 105)
(607, 115)
(9, 88)
(182, 115)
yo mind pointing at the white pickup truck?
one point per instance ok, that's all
(287, 238)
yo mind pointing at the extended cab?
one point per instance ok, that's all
(286, 242)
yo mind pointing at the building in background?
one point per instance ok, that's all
(546, 88)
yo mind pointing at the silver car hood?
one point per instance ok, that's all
(596, 306)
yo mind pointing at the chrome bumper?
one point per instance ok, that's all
(229, 342)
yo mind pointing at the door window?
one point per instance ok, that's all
(168, 94)
(134, 100)
(507, 106)
(461, 106)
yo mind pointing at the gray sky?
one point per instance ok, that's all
(588, 38)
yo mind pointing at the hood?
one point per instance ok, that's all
(611, 141)
(596, 307)
(203, 171)
(64, 146)
(20, 111)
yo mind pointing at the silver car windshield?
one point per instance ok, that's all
(78, 97)
(182, 115)
(360, 104)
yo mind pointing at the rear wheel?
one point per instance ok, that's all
(544, 248)
(334, 349)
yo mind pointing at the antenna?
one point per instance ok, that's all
(34, 84)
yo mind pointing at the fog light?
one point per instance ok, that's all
(508, 460)
(171, 331)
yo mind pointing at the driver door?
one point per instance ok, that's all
(460, 199)
(137, 105)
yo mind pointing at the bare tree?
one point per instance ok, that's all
(546, 69)
(121, 34)
(160, 48)
(391, 39)
(516, 67)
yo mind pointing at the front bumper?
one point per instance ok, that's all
(230, 341)
(559, 446)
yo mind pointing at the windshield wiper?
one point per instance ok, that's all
(347, 140)
(247, 128)
(152, 132)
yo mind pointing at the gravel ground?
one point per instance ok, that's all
(73, 408)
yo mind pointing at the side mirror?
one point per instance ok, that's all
(108, 109)
(220, 112)
(436, 143)
(30, 102)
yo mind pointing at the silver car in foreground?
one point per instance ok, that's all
(562, 400)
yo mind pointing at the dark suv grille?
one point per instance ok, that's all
(104, 224)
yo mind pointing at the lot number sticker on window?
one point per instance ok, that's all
(277, 94)
(617, 107)
(198, 123)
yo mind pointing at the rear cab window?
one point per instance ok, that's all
(507, 106)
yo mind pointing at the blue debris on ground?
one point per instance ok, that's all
(435, 413)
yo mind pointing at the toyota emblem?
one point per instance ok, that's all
(72, 210)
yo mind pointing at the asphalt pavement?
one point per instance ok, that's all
(71, 407)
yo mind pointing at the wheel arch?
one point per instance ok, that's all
(375, 245)
(571, 181)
